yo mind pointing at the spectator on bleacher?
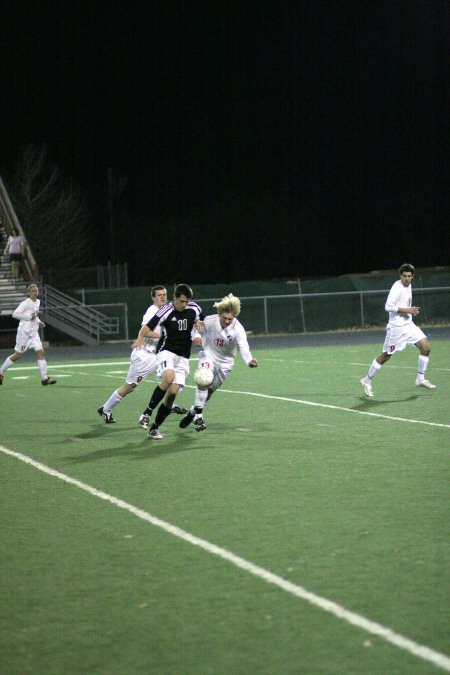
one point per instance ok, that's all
(16, 249)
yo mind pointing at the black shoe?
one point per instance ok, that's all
(144, 421)
(187, 419)
(199, 424)
(48, 381)
(109, 419)
(178, 410)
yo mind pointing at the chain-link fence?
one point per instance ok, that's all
(313, 312)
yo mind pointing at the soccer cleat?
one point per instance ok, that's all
(199, 424)
(154, 433)
(187, 419)
(1, 378)
(107, 416)
(425, 383)
(48, 381)
(178, 410)
(367, 387)
(143, 421)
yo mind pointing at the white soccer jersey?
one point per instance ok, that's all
(399, 296)
(150, 344)
(221, 344)
(23, 312)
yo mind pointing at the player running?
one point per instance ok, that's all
(222, 337)
(176, 321)
(401, 331)
(142, 362)
(28, 335)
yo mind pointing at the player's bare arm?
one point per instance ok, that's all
(145, 332)
(409, 310)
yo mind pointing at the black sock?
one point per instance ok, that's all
(163, 412)
(198, 410)
(157, 396)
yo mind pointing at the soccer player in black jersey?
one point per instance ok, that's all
(176, 321)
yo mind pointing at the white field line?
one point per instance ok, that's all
(335, 407)
(308, 362)
(94, 364)
(421, 651)
(55, 366)
(276, 398)
(392, 365)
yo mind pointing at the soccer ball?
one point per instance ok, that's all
(203, 377)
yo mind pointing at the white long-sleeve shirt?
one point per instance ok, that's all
(24, 313)
(222, 344)
(150, 343)
(399, 296)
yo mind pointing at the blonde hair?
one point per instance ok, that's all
(230, 303)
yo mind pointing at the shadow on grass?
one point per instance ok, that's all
(369, 403)
(142, 448)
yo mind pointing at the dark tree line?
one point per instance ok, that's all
(52, 212)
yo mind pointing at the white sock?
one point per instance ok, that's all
(42, 363)
(200, 397)
(373, 370)
(6, 364)
(422, 367)
(200, 401)
(113, 400)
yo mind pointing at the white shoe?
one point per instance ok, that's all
(367, 387)
(425, 383)
(143, 421)
(154, 433)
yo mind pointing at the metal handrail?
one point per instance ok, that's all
(10, 221)
(75, 314)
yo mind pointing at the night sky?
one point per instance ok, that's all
(258, 140)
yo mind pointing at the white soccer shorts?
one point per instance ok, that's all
(221, 369)
(25, 342)
(179, 364)
(398, 337)
(142, 364)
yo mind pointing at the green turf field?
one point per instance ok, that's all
(305, 531)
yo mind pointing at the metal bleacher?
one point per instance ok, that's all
(74, 318)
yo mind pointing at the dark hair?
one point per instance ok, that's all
(156, 288)
(183, 289)
(406, 267)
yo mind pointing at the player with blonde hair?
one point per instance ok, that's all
(221, 338)
(230, 303)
